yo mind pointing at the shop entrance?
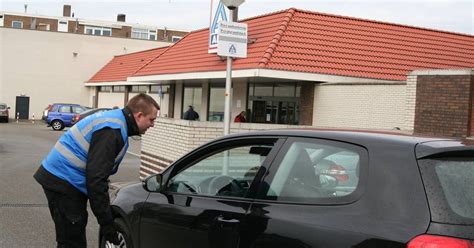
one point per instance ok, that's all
(274, 103)
(274, 111)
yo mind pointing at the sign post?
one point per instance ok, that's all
(227, 38)
(232, 42)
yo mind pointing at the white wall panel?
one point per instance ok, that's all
(53, 66)
(360, 106)
(110, 99)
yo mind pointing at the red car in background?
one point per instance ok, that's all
(86, 113)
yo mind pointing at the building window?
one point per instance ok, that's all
(160, 89)
(216, 102)
(192, 96)
(105, 89)
(139, 88)
(43, 26)
(17, 24)
(99, 31)
(175, 38)
(143, 34)
(119, 88)
(106, 32)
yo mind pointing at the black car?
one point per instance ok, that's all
(306, 188)
(86, 113)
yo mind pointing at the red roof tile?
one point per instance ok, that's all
(304, 41)
(122, 66)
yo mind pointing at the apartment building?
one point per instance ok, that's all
(69, 24)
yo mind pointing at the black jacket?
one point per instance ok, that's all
(105, 145)
(191, 115)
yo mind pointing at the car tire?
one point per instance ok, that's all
(124, 237)
(57, 125)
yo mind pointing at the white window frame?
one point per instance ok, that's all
(47, 26)
(143, 33)
(175, 38)
(63, 25)
(100, 29)
(21, 24)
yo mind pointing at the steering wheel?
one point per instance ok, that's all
(221, 184)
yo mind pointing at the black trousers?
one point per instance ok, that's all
(69, 213)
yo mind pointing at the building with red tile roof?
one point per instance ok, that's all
(303, 68)
(123, 66)
(296, 40)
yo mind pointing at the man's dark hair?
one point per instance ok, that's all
(142, 103)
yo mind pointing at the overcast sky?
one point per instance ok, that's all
(447, 15)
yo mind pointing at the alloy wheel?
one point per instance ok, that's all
(123, 243)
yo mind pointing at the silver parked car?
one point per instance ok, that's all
(4, 112)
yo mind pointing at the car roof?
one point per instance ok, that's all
(348, 135)
(94, 110)
(75, 104)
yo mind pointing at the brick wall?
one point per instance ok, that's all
(124, 32)
(307, 104)
(472, 107)
(170, 139)
(443, 105)
(53, 23)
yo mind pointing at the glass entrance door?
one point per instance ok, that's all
(275, 103)
(274, 111)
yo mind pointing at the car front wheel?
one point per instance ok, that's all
(123, 235)
(57, 125)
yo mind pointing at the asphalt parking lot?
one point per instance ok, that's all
(24, 216)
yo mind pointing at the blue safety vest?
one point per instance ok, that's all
(67, 160)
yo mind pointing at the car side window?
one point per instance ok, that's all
(77, 110)
(225, 173)
(312, 170)
(64, 109)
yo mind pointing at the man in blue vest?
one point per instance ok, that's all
(79, 165)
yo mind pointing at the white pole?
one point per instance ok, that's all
(228, 85)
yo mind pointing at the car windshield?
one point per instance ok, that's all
(3, 106)
(448, 182)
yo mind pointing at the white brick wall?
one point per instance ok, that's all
(170, 139)
(410, 103)
(364, 106)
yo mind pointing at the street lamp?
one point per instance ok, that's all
(231, 5)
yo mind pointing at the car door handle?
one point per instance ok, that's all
(228, 221)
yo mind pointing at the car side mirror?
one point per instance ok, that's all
(153, 183)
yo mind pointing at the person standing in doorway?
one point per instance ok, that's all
(240, 117)
(190, 114)
(78, 167)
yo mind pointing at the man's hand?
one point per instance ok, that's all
(109, 232)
